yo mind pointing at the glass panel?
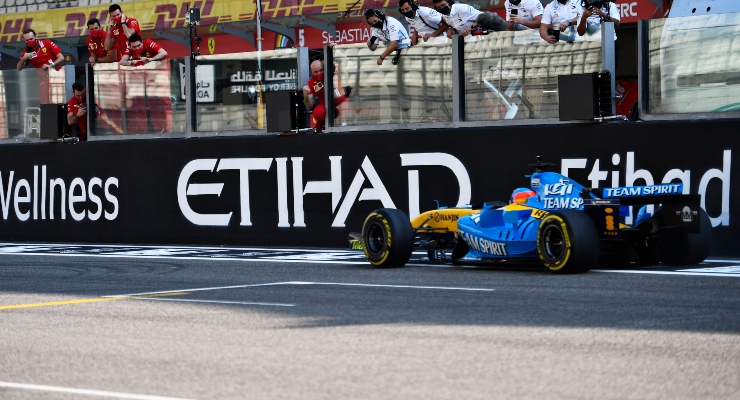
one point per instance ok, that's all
(514, 75)
(230, 88)
(418, 89)
(21, 94)
(139, 100)
(695, 64)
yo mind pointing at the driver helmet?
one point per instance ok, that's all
(520, 195)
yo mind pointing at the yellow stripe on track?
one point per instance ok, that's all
(81, 301)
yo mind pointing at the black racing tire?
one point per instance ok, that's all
(568, 242)
(688, 248)
(387, 238)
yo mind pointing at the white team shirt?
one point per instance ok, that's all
(432, 17)
(392, 30)
(556, 13)
(528, 9)
(595, 19)
(461, 16)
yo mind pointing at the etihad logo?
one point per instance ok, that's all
(367, 185)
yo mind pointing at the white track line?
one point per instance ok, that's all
(394, 286)
(302, 283)
(217, 302)
(87, 392)
(200, 289)
(619, 271)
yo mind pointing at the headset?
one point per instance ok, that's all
(414, 5)
(379, 13)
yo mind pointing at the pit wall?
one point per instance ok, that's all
(312, 190)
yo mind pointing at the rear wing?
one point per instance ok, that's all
(633, 195)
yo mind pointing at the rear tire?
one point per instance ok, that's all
(568, 242)
(387, 238)
(688, 248)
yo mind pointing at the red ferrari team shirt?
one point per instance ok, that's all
(149, 49)
(73, 107)
(46, 53)
(97, 45)
(316, 88)
(121, 41)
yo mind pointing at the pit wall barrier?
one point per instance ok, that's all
(312, 190)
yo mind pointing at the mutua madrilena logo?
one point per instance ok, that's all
(686, 214)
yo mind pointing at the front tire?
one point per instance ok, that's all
(388, 238)
(568, 242)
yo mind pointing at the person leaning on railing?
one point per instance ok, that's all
(463, 18)
(523, 14)
(44, 55)
(427, 23)
(390, 31)
(120, 30)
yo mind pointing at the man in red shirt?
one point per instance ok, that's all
(315, 88)
(43, 55)
(120, 30)
(155, 80)
(96, 43)
(141, 52)
(77, 112)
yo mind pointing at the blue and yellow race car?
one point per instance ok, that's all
(556, 222)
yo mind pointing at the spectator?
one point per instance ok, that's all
(528, 14)
(154, 81)
(592, 13)
(43, 55)
(390, 31)
(141, 52)
(120, 30)
(315, 88)
(426, 22)
(77, 112)
(462, 18)
(96, 43)
(564, 15)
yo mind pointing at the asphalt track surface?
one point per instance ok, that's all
(141, 322)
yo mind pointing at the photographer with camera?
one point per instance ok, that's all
(523, 14)
(426, 23)
(559, 21)
(592, 13)
(77, 112)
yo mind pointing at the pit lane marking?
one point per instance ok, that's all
(86, 392)
(81, 301)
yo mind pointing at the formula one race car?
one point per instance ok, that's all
(556, 222)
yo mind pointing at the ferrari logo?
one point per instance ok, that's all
(212, 28)
(211, 45)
